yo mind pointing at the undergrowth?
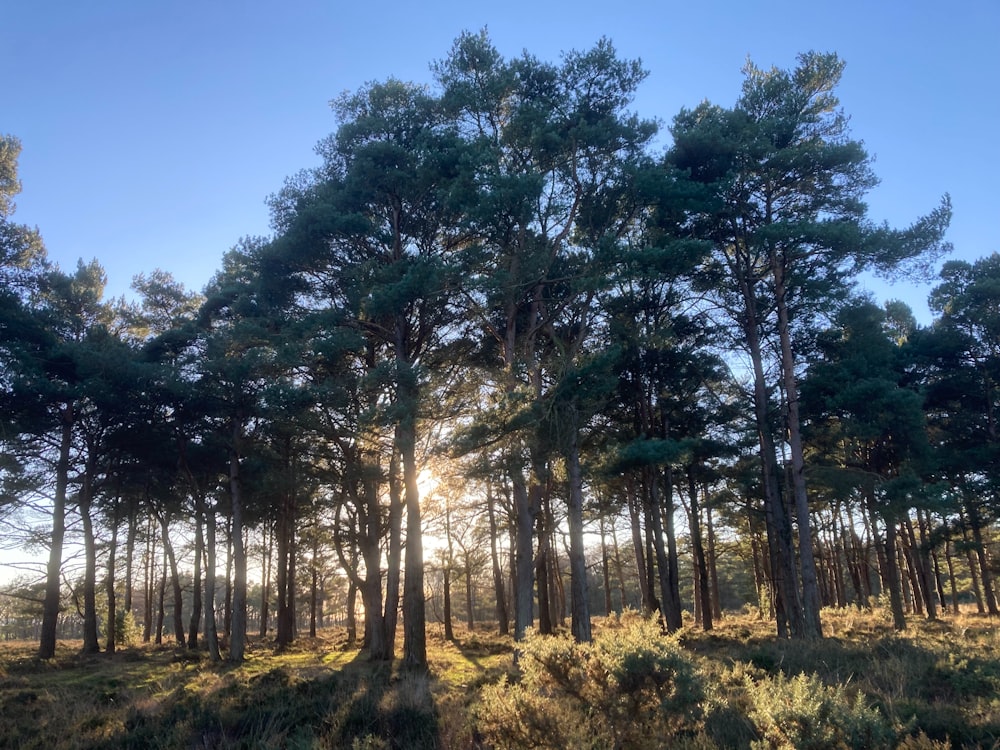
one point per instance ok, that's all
(932, 687)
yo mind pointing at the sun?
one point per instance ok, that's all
(426, 483)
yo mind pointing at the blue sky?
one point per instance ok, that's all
(152, 132)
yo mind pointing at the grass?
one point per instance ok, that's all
(937, 685)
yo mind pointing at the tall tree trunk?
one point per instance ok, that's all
(985, 574)
(645, 592)
(713, 570)
(130, 554)
(227, 602)
(90, 636)
(161, 597)
(524, 558)
(175, 582)
(470, 604)
(545, 626)
(498, 589)
(449, 632)
(237, 640)
(211, 631)
(661, 502)
(580, 597)
(605, 567)
(50, 605)
(811, 625)
(267, 565)
(314, 583)
(785, 596)
(700, 564)
(109, 583)
(199, 553)
(414, 605)
(887, 566)
(394, 559)
(149, 574)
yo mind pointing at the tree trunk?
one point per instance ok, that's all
(498, 589)
(51, 603)
(414, 605)
(267, 565)
(543, 597)
(524, 562)
(149, 573)
(237, 640)
(109, 584)
(130, 554)
(645, 592)
(888, 568)
(199, 554)
(700, 564)
(314, 583)
(161, 596)
(811, 625)
(713, 571)
(985, 574)
(211, 631)
(90, 636)
(175, 582)
(605, 567)
(785, 597)
(580, 597)
(469, 594)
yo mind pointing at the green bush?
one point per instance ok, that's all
(802, 713)
(126, 629)
(632, 687)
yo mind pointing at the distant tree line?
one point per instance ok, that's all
(502, 358)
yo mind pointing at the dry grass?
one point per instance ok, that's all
(936, 685)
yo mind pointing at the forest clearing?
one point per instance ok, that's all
(935, 686)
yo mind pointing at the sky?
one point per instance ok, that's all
(153, 132)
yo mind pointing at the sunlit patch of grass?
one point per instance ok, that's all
(935, 683)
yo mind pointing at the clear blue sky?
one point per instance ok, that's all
(152, 132)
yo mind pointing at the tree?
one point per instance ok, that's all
(556, 156)
(789, 230)
(959, 357)
(867, 429)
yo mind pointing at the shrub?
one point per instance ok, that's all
(801, 713)
(632, 687)
(126, 629)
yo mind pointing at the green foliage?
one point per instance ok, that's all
(802, 713)
(127, 630)
(632, 687)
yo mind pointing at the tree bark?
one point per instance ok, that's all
(811, 625)
(498, 588)
(51, 603)
(580, 597)
(237, 640)
(211, 631)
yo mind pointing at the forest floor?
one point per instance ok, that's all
(937, 684)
